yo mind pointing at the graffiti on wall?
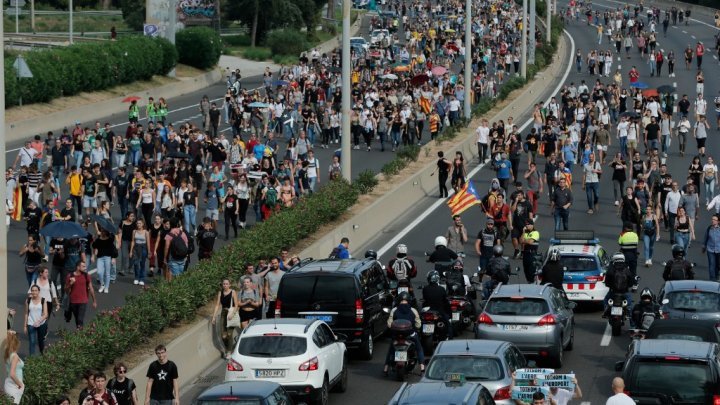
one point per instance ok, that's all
(196, 9)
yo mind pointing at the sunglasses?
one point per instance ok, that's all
(121, 371)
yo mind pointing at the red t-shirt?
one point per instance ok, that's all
(699, 50)
(79, 290)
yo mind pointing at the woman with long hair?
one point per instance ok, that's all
(14, 385)
(249, 301)
(36, 315)
(227, 298)
(684, 229)
(139, 251)
(103, 251)
(651, 233)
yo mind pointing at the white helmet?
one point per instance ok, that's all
(402, 249)
(554, 255)
(440, 241)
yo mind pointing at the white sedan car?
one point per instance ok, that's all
(361, 42)
(302, 355)
(377, 36)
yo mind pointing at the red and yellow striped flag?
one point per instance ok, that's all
(18, 204)
(464, 199)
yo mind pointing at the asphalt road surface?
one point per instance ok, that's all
(596, 350)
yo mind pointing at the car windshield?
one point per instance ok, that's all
(229, 401)
(308, 290)
(474, 368)
(679, 336)
(517, 306)
(579, 263)
(272, 346)
(683, 381)
(694, 301)
(357, 41)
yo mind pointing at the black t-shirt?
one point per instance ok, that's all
(532, 142)
(57, 245)
(103, 246)
(189, 198)
(121, 183)
(442, 165)
(90, 184)
(122, 390)
(653, 131)
(126, 230)
(230, 203)
(206, 239)
(162, 376)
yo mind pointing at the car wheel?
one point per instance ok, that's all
(557, 361)
(323, 395)
(571, 343)
(341, 386)
(367, 347)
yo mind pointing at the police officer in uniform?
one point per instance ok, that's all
(628, 242)
(435, 297)
(552, 272)
(486, 240)
(442, 253)
(498, 270)
(678, 268)
(529, 241)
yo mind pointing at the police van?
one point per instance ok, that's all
(584, 263)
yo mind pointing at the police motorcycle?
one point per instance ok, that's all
(619, 301)
(644, 314)
(435, 325)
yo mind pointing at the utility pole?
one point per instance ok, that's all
(548, 21)
(71, 21)
(3, 197)
(468, 56)
(523, 57)
(345, 152)
(531, 34)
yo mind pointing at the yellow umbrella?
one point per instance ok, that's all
(450, 31)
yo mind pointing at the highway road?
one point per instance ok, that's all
(595, 350)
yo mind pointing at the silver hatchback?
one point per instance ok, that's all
(538, 319)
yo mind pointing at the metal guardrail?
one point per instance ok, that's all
(75, 13)
(49, 38)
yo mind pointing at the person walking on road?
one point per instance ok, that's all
(36, 316)
(560, 202)
(122, 387)
(79, 287)
(227, 304)
(443, 169)
(176, 248)
(457, 235)
(711, 247)
(162, 385)
(591, 182)
(619, 397)
(272, 283)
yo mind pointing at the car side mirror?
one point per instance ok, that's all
(341, 337)
(564, 268)
(571, 305)
(619, 365)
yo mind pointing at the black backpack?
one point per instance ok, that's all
(178, 248)
(677, 270)
(620, 282)
(334, 254)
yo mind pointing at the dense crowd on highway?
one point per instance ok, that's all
(143, 201)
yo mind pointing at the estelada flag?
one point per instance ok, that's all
(18, 202)
(464, 199)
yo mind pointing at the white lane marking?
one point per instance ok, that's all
(607, 336)
(391, 244)
(684, 32)
(693, 36)
(169, 112)
(585, 403)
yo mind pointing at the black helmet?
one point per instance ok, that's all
(646, 294)
(371, 254)
(678, 251)
(433, 277)
(498, 250)
(404, 296)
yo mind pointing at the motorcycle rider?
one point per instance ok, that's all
(678, 268)
(403, 310)
(401, 267)
(618, 279)
(553, 272)
(498, 269)
(529, 240)
(487, 239)
(646, 305)
(441, 253)
(628, 242)
(435, 297)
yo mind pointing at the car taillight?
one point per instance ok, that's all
(548, 319)
(455, 303)
(233, 365)
(429, 317)
(626, 392)
(484, 318)
(502, 394)
(359, 312)
(665, 315)
(278, 308)
(595, 279)
(310, 365)
(716, 399)
(672, 358)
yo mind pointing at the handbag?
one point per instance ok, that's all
(233, 316)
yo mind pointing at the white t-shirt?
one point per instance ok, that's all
(26, 156)
(623, 128)
(620, 399)
(562, 396)
(313, 167)
(483, 134)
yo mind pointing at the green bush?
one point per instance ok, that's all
(199, 47)
(287, 42)
(285, 60)
(391, 168)
(260, 54)
(88, 67)
(236, 40)
(113, 333)
(365, 182)
(409, 153)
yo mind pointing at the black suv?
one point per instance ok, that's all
(352, 296)
(667, 371)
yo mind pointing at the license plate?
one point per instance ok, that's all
(324, 318)
(401, 356)
(270, 373)
(573, 295)
(616, 311)
(456, 316)
(428, 328)
(515, 327)
(403, 289)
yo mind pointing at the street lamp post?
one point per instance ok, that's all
(548, 21)
(468, 55)
(345, 151)
(531, 34)
(71, 21)
(523, 57)
(3, 197)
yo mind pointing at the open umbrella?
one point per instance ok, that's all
(401, 68)
(419, 80)
(439, 71)
(389, 76)
(630, 114)
(280, 83)
(666, 89)
(450, 31)
(63, 229)
(639, 85)
(130, 99)
(178, 155)
(258, 104)
(104, 223)
(650, 93)
(452, 46)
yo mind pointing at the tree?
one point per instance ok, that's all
(133, 12)
(263, 16)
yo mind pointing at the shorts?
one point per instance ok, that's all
(602, 147)
(101, 196)
(248, 315)
(700, 142)
(212, 214)
(632, 144)
(89, 202)
(516, 232)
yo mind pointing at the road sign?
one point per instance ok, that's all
(21, 68)
(150, 30)
(17, 3)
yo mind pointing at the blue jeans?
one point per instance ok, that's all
(713, 263)
(313, 183)
(683, 239)
(395, 136)
(135, 157)
(561, 219)
(709, 188)
(591, 192)
(190, 217)
(648, 246)
(140, 255)
(78, 157)
(36, 337)
(104, 265)
(31, 274)
(176, 267)
(623, 146)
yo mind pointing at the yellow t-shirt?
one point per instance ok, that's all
(75, 184)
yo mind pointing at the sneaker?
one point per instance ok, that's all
(135, 282)
(617, 203)
(368, 149)
(589, 211)
(141, 283)
(101, 289)
(107, 291)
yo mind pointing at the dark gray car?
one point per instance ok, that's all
(690, 299)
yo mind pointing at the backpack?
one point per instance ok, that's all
(620, 282)
(335, 253)
(401, 268)
(677, 270)
(178, 248)
(335, 173)
(271, 197)
(455, 277)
